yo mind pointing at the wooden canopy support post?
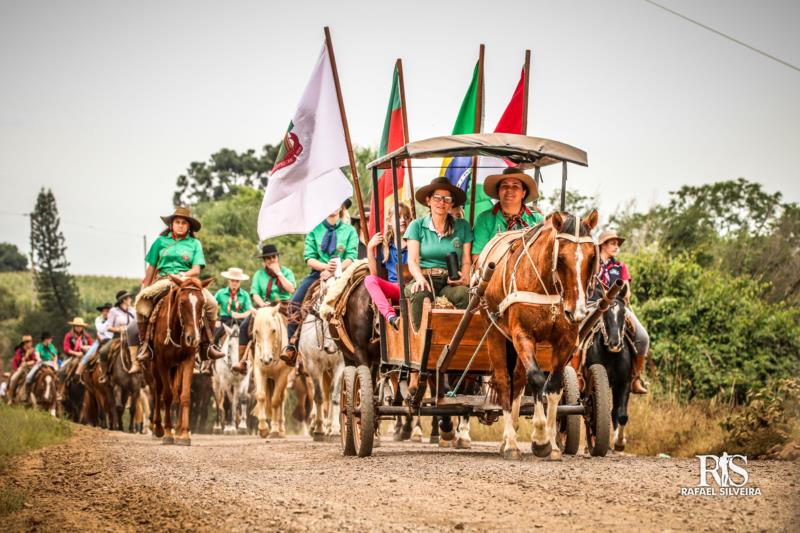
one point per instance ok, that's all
(350, 155)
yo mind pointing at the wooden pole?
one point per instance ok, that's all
(353, 171)
(478, 129)
(526, 69)
(406, 138)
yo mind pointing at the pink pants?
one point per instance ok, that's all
(382, 293)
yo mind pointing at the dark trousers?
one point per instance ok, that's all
(297, 302)
(220, 331)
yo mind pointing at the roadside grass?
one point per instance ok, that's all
(24, 430)
(94, 290)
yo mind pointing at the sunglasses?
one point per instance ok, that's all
(440, 198)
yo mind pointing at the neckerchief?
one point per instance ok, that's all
(604, 275)
(233, 297)
(513, 220)
(328, 244)
(272, 281)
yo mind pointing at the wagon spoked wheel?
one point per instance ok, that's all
(598, 411)
(346, 411)
(569, 426)
(363, 412)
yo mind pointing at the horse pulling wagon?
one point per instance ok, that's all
(520, 329)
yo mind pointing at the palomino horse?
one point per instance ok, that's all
(614, 351)
(176, 339)
(126, 386)
(227, 385)
(538, 294)
(324, 363)
(270, 373)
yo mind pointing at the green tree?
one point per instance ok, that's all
(226, 169)
(11, 260)
(57, 293)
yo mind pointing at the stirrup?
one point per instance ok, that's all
(289, 354)
(144, 353)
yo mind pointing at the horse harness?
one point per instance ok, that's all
(172, 297)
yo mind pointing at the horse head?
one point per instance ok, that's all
(187, 305)
(613, 324)
(574, 260)
(269, 332)
(230, 344)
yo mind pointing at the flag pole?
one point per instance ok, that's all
(406, 138)
(353, 171)
(478, 128)
(526, 69)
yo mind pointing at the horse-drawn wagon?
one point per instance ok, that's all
(486, 343)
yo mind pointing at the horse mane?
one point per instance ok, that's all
(268, 325)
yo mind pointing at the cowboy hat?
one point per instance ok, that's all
(104, 306)
(268, 250)
(491, 183)
(183, 212)
(78, 321)
(459, 196)
(121, 295)
(235, 273)
(27, 338)
(608, 235)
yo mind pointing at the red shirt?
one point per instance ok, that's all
(73, 343)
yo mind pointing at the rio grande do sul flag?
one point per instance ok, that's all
(393, 138)
(307, 184)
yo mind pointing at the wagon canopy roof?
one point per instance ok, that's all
(520, 149)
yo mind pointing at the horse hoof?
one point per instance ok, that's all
(241, 431)
(555, 455)
(276, 435)
(463, 444)
(447, 435)
(316, 437)
(541, 450)
(512, 454)
(158, 433)
(434, 439)
(168, 440)
(183, 442)
(216, 431)
(445, 443)
(263, 433)
(416, 438)
(229, 432)
(397, 436)
(619, 447)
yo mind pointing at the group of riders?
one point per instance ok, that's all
(438, 250)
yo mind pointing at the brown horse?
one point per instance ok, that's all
(176, 338)
(43, 389)
(538, 295)
(98, 408)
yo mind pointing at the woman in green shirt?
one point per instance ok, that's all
(430, 240)
(331, 246)
(176, 251)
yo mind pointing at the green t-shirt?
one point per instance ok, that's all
(492, 222)
(433, 250)
(243, 301)
(346, 243)
(258, 287)
(46, 353)
(169, 256)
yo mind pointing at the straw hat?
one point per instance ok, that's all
(78, 321)
(235, 273)
(27, 338)
(459, 196)
(183, 212)
(608, 235)
(491, 183)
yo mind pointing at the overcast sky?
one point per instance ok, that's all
(108, 102)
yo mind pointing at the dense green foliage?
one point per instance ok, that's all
(11, 260)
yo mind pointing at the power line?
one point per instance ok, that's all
(737, 41)
(79, 224)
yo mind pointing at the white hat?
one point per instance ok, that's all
(235, 273)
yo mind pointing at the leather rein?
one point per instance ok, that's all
(173, 296)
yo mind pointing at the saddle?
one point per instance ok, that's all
(335, 311)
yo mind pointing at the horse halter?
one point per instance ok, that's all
(174, 296)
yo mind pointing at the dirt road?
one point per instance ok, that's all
(101, 481)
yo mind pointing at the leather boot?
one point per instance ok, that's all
(144, 348)
(209, 351)
(241, 366)
(135, 366)
(103, 372)
(637, 384)
(289, 355)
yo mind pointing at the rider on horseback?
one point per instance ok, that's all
(24, 358)
(273, 283)
(385, 291)
(103, 336)
(46, 354)
(513, 188)
(176, 251)
(612, 269)
(332, 245)
(119, 318)
(233, 301)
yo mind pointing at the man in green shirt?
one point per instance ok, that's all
(233, 301)
(513, 188)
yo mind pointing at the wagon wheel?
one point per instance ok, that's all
(346, 411)
(363, 423)
(569, 426)
(597, 413)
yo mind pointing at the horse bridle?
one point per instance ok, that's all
(174, 296)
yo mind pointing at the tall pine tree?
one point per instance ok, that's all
(56, 290)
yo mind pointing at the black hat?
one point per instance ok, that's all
(104, 306)
(347, 203)
(121, 295)
(268, 250)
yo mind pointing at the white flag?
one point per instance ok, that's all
(306, 183)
